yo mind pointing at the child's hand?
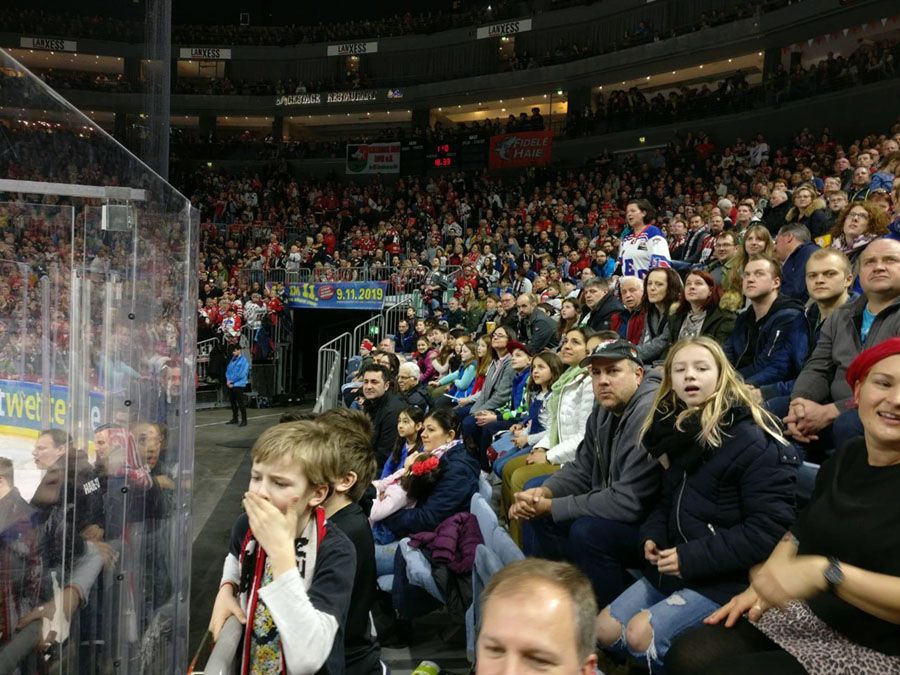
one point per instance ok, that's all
(226, 605)
(275, 531)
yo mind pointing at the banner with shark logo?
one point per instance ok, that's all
(373, 158)
(525, 148)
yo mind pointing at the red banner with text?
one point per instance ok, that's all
(525, 148)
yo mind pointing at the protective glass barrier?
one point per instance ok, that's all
(97, 347)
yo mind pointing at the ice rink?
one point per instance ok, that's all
(18, 449)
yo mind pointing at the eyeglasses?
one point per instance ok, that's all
(861, 215)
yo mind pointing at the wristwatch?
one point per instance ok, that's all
(834, 575)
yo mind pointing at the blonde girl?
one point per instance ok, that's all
(727, 499)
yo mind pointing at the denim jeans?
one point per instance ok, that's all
(601, 548)
(669, 617)
(384, 557)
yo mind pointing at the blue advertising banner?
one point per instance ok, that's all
(367, 295)
(20, 406)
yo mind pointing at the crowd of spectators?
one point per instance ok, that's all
(605, 314)
(87, 80)
(246, 87)
(40, 22)
(619, 109)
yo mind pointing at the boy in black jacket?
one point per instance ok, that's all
(352, 433)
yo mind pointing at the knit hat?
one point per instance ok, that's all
(863, 363)
(513, 345)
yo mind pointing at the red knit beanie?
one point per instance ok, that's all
(863, 363)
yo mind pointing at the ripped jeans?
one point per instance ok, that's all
(669, 616)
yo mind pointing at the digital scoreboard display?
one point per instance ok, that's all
(442, 155)
(465, 152)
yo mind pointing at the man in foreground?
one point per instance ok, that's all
(537, 616)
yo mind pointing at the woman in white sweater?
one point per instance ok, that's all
(570, 406)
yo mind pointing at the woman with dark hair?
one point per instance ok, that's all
(498, 381)
(569, 316)
(662, 296)
(645, 246)
(458, 474)
(699, 312)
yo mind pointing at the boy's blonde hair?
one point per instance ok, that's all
(306, 444)
(730, 392)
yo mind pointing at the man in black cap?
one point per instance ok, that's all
(590, 510)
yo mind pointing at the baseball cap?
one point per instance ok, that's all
(613, 350)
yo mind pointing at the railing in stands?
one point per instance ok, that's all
(370, 328)
(204, 349)
(330, 364)
(222, 653)
(334, 356)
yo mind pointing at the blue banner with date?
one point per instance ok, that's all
(367, 295)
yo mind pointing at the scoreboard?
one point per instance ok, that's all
(461, 152)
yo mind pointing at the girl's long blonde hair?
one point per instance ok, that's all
(730, 392)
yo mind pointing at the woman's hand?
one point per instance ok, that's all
(651, 553)
(747, 602)
(668, 562)
(226, 605)
(537, 456)
(520, 440)
(515, 429)
(485, 417)
(780, 581)
(410, 459)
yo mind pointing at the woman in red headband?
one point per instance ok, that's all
(828, 598)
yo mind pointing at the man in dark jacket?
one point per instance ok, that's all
(769, 341)
(538, 330)
(793, 246)
(828, 280)
(406, 337)
(506, 314)
(776, 211)
(413, 392)
(601, 308)
(383, 406)
(590, 510)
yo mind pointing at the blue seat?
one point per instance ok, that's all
(480, 507)
(485, 489)
(497, 551)
(418, 570)
(806, 482)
